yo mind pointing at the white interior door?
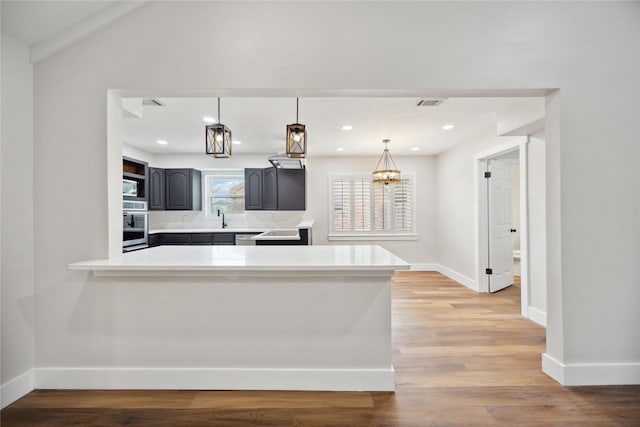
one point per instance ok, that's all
(499, 213)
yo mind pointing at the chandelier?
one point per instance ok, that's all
(386, 171)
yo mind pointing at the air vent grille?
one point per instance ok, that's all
(433, 102)
(152, 102)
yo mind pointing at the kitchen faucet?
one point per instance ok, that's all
(224, 224)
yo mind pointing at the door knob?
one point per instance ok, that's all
(513, 230)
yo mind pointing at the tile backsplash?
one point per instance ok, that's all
(250, 219)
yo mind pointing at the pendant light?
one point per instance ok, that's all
(297, 138)
(386, 170)
(218, 138)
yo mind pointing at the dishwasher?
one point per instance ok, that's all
(245, 239)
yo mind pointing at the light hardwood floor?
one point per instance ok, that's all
(461, 359)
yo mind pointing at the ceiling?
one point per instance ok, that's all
(260, 124)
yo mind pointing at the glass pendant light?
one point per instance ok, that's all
(386, 170)
(296, 138)
(218, 138)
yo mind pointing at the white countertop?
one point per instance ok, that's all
(303, 224)
(207, 230)
(249, 258)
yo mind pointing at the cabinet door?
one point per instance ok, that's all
(178, 195)
(224, 239)
(176, 238)
(270, 189)
(292, 190)
(253, 188)
(201, 238)
(155, 240)
(156, 189)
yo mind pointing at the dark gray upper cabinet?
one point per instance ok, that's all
(156, 189)
(183, 189)
(291, 189)
(271, 188)
(253, 188)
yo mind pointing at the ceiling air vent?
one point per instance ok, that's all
(433, 102)
(152, 102)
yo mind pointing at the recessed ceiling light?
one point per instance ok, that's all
(347, 127)
(236, 142)
(448, 126)
(340, 149)
(209, 119)
(162, 142)
(415, 149)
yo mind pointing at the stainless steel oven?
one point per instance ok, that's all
(135, 225)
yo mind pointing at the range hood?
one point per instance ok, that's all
(281, 161)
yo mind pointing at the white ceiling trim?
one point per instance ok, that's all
(40, 51)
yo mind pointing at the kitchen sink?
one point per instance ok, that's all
(289, 234)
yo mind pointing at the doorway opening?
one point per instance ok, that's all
(502, 220)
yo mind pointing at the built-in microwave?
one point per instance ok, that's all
(135, 225)
(129, 187)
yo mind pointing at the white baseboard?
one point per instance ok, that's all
(575, 374)
(538, 316)
(424, 267)
(460, 278)
(216, 379)
(16, 388)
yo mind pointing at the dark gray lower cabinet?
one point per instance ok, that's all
(202, 238)
(154, 240)
(157, 239)
(224, 239)
(175, 238)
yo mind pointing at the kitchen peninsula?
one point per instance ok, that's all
(243, 317)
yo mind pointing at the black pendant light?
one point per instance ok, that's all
(218, 138)
(386, 170)
(296, 138)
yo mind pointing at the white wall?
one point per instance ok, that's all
(586, 49)
(537, 222)
(420, 251)
(18, 348)
(455, 204)
(129, 150)
(515, 205)
(455, 218)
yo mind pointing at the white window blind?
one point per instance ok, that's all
(359, 206)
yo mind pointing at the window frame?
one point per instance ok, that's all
(371, 234)
(219, 173)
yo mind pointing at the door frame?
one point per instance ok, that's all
(481, 205)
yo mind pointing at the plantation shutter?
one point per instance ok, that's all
(403, 205)
(359, 206)
(362, 204)
(341, 191)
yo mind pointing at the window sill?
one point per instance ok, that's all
(354, 236)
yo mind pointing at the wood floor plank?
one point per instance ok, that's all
(461, 359)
